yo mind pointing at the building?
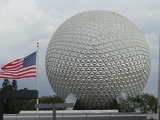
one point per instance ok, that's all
(95, 55)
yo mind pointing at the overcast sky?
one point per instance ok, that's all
(23, 23)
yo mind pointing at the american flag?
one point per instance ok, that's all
(20, 68)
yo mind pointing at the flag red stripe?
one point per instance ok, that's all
(6, 74)
(17, 64)
(17, 74)
(25, 74)
(19, 77)
(33, 68)
(9, 75)
(22, 72)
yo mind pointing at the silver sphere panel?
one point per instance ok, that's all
(95, 55)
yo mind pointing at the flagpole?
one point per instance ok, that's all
(37, 80)
(158, 101)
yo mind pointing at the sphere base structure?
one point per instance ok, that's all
(95, 55)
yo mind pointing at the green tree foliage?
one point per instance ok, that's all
(16, 105)
(14, 85)
(6, 85)
(51, 99)
(146, 103)
(126, 106)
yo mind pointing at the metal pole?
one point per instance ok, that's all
(158, 113)
(37, 80)
(158, 101)
(54, 112)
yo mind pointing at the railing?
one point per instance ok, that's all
(77, 116)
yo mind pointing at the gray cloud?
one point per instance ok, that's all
(23, 23)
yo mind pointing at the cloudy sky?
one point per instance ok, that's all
(23, 23)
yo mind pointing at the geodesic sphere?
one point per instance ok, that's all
(95, 55)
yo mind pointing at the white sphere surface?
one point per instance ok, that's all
(95, 55)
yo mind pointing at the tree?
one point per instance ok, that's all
(51, 99)
(126, 105)
(146, 103)
(6, 85)
(16, 105)
(14, 85)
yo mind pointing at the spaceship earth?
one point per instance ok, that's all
(95, 55)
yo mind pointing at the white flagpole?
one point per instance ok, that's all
(158, 100)
(37, 80)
